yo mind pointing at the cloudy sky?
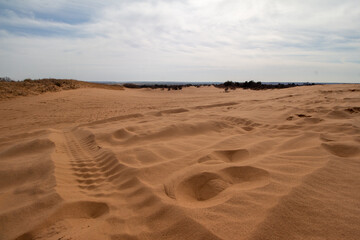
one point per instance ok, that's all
(173, 40)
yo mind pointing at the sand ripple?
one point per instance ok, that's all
(195, 164)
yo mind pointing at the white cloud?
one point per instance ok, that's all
(198, 40)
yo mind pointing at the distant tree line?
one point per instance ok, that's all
(228, 85)
(257, 85)
(6, 79)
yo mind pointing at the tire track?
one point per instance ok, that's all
(93, 168)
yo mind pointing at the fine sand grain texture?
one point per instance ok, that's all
(199, 163)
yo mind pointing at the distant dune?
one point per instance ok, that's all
(34, 87)
(97, 163)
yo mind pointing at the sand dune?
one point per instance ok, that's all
(193, 164)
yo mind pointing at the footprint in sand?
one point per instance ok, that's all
(71, 210)
(236, 155)
(209, 188)
(342, 150)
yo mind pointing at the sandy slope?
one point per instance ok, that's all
(190, 164)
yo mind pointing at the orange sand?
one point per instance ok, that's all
(192, 164)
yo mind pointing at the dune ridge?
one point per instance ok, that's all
(192, 164)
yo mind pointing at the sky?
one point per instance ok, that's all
(173, 40)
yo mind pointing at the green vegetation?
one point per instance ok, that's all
(257, 85)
